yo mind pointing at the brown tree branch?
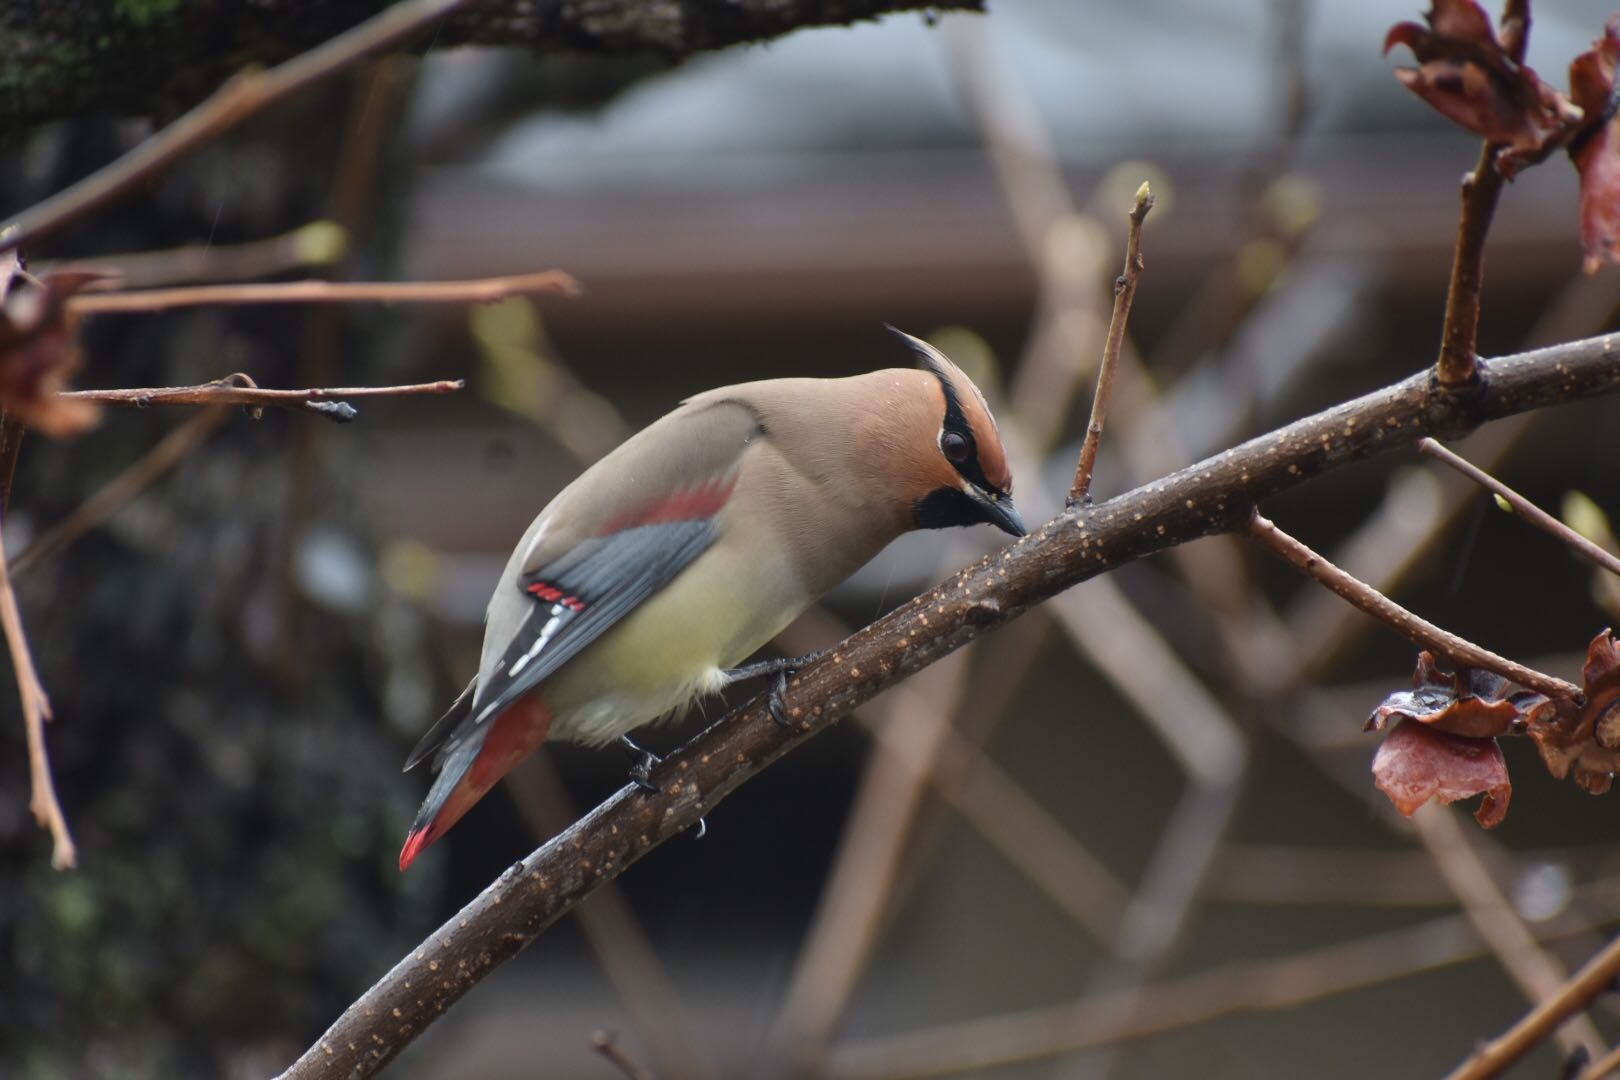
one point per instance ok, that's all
(239, 389)
(1211, 496)
(1414, 628)
(36, 709)
(1124, 293)
(606, 1044)
(478, 291)
(1242, 987)
(1460, 334)
(71, 57)
(120, 490)
(316, 244)
(1535, 1026)
(1498, 925)
(1522, 506)
(239, 98)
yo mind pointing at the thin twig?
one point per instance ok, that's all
(36, 708)
(1535, 1026)
(1603, 1067)
(1210, 496)
(1460, 335)
(239, 389)
(1420, 631)
(317, 243)
(1252, 986)
(1526, 509)
(476, 291)
(121, 490)
(1124, 293)
(1498, 925)
(243, 96)
(606, 1044)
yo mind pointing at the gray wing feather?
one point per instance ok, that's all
(610, 576)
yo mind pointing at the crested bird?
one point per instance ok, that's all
(692, 544)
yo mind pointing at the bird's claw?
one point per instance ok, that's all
(642, 763)
(781, 669)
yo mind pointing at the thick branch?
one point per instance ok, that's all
(64, 57)
(1215, 495)
(245, 95)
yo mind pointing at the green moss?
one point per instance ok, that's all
(144, 12)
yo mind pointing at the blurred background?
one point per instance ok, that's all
(1131, 835)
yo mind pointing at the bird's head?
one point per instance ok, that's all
(959, 467)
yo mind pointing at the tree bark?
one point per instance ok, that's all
(61, 58)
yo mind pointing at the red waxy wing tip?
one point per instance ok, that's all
(414, 843)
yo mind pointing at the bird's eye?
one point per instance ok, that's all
(954, 446)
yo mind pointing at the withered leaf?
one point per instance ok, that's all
(1476, 704)
(1416, 763)
(1595, 149)
(1585, 739)
(1469, 77)
(38, 353)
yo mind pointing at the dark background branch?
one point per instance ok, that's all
(1211, 496)
(69, 57)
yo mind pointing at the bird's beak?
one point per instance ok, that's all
(999, 511)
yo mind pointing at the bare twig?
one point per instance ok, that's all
(476, 291)
(239, 389)
(1288, 982)
(1211, 496)
(1526, 509)
(1535, 1026)
(606, 1044)
(36, 709)
(121, 489)
(243, 96)
(318, 243)
(1605, 1066)
(1498, 925)
(1420, 631)
(1460, 335)
(1124, 293)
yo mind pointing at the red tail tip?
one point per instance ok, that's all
(414, 843)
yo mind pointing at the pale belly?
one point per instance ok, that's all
(674, 648)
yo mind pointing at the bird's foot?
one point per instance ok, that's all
(780, 669)
(642, 763)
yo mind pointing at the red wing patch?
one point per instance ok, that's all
(695, 504)
(551, 594)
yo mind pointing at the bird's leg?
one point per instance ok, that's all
(642, 763)
(781, 669)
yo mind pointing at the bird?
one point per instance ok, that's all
(680, 553)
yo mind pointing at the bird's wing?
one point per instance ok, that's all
(613, 539)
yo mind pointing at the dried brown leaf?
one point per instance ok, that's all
(1585, 738)
(1416, 763)
(1595, 148)
(39, 352)
(1469, 77)
(1475, 704)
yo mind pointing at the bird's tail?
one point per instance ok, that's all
(470, 770)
